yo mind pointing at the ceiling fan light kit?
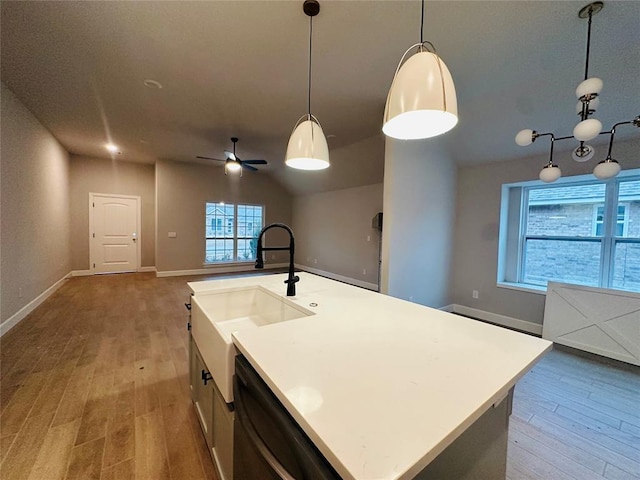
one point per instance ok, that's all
(307, 148)
(588, 92)
(422, 99)
(233, 163)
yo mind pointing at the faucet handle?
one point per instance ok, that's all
(294, 279)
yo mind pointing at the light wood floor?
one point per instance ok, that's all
(93, 384)
(576, 418)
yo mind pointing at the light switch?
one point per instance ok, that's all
(173, 234)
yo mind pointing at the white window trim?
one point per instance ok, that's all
(609, 242)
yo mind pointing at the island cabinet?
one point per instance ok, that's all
(214, 414)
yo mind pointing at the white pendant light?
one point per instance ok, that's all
(307, 148)
(422, 99)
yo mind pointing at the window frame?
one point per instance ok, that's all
(512, 251)
(234, 232)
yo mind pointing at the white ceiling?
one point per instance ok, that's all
(239, 68)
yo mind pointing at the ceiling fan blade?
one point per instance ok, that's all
(248, 167)
(255, 162)
(230, 155)
(209, 158)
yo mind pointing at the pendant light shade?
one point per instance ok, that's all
(422, 99)
(307, 148)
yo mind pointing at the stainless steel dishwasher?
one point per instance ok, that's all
(268, 443)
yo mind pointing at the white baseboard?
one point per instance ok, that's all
(86, 273)
(221, 269)
(81, 273)
(340, 278)
(496, 318)
(17, 317)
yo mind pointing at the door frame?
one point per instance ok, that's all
(138, 200)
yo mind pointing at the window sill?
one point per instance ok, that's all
(540, 290)
(228, 264)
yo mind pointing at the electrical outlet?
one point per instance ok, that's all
(368, 238)
(172, 234)
(20, 292)
(315, 261)
(411, 298)
(475, 294)
(273, 257)
(364, 271)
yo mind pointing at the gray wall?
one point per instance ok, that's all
(34, 227)
(419, 203)
(113, 177)
(181, 193)
(334, 229)
(475, 254)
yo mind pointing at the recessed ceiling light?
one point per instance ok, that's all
(152, 83)
(111, 147)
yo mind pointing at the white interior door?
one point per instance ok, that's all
(114, 224)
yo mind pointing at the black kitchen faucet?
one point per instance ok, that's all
(291, 281)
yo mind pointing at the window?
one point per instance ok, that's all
(231, 232)
(581, 231)
(621, 223)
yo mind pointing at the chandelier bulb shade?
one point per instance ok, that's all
(607, 168)
(582, 153)
(307, 148)
(589, 87)
(587, 129)
(525, 137)
(550, 173)
(422, 99)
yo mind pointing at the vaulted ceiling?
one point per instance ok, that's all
(239, 68)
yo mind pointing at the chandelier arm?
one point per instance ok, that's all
(612, 133)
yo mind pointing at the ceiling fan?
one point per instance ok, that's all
(233, 163)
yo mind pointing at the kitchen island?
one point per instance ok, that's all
(383, 386)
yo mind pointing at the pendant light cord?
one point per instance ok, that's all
(309, 90)
(422, 24)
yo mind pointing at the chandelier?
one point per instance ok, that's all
(588, 128)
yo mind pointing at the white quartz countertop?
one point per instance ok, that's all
(382, 386)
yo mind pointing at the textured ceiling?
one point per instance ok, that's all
(239, 68)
